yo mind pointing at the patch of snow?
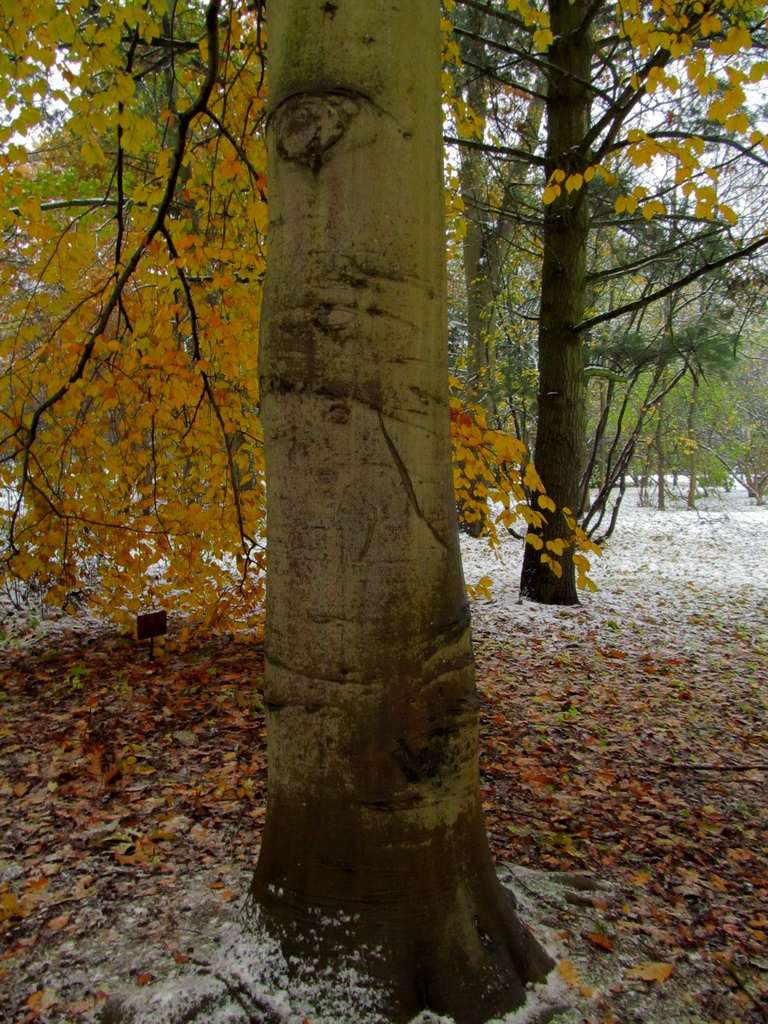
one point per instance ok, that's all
(720, 548)
(248, 978)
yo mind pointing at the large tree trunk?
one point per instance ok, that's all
(561, 431)
(374, 837)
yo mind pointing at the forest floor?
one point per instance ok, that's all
(624, 761)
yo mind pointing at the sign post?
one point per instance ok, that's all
(149, 625)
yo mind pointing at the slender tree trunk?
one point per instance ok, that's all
(693, 458)
(602, 450)
(561, 431)
(481, 311)
(487, 237)
(476, 253)
(661, 486)
(374, 838)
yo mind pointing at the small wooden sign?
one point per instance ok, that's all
(151, 624)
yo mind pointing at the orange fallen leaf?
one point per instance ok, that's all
(144, 979)
(57, 923)
(35, 1000)
(598, 939)
(539, 778)
(739, 854)
(650, 971)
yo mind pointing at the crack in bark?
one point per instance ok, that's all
(407, 484)
(368, 538)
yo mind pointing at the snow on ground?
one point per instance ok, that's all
(701, 561)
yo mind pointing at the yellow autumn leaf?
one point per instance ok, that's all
(92, 154)
(585, 583)
(608, 176)
(532, 478)
(737, 122)
(534, 540)
(556, 568)
(654, 971)
(626, 204)
(546, 502)
(649, 210)
(124, 88)
(574, 182)
(730, 215)
(569, 974)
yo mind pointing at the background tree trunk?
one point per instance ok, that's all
(693, 457)
(374, 837)
(561, 433)
(478, 272)
(661, 483)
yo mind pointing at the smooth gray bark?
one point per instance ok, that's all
(374, 836)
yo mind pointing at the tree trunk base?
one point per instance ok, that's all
(256, 978)
(538, 583)
(423, 965)
(228, 1002)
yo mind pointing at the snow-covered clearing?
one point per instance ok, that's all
(625, 747)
